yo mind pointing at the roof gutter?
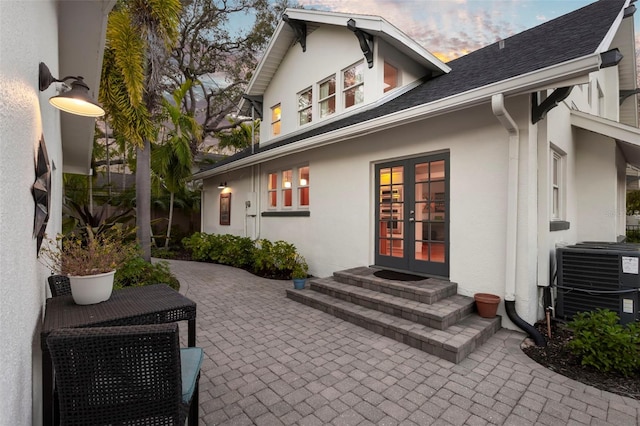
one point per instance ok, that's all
(550, 77)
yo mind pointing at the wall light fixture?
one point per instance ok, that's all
(222, 185)
(76, 100)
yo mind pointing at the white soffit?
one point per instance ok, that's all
(627, 137)
(284, 38)
(81, 38)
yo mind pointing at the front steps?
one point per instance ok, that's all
(427, 315)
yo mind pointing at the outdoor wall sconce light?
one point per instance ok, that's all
(222, 185)
(75, 100)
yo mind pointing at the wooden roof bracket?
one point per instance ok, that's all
(365, 40)
(256, 103)
(299, 28)
(624, 94)
(539, 111)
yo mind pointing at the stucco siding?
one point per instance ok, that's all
(596, 185)
(29, 35)
(339, 233)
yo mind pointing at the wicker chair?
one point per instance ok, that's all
(125, 375)
(59, 285)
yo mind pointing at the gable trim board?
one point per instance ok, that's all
(627, 137)
(284, 36)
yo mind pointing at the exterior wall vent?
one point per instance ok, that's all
(595, 275)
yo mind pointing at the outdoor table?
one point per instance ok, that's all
(152, 304)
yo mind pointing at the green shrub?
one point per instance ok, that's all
(163, 253)
(633, 236)
(138, 272)
(274, 260)
(236, 251)
(199, 244)
(601, 342)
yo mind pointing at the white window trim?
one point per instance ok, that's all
(335, 97)
(295, 179)
(345, 89)
(310, 107)
(559, 158)
(279, 120)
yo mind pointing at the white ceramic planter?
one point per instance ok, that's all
(90, 289)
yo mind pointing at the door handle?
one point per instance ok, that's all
(412, 216)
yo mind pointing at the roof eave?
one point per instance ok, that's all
(570, 72)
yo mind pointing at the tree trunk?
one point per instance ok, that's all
(166, 241)
(143, 199)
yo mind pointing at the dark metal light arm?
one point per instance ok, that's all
(76, 100)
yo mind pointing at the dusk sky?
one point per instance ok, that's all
(451, 28)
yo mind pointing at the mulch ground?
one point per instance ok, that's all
(557, 357)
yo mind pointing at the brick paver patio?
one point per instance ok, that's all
(271, 361)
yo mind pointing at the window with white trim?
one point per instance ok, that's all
(327, 96)
(305, 105)
(272, 190)
(390, 77)
(557, 169)
(303, 186)
(276, 116)
(353, 85)
(288, 188)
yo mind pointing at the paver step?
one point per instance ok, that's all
(440, 314)
(453, 344)
(428, 290)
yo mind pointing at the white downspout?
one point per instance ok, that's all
(511, 245)
(497, 105)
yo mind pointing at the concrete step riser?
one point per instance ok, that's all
(398, 289)
(433, 321)
(415, 340)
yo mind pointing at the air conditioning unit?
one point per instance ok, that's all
(595, 275)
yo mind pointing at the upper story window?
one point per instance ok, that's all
(327, 97)
(288, 188)
(305, 105)
(276, 116)
(353, 85)
(390, 77)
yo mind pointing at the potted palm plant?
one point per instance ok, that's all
(299, 272)
(90, 262)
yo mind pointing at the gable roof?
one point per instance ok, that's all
(284, 38)
(559, 50)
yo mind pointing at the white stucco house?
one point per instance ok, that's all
(374, 152)
(68, 36)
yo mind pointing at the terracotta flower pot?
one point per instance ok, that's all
(487, 304)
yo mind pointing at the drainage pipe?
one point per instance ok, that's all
(497, 106)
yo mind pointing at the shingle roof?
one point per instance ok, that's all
(574, 35)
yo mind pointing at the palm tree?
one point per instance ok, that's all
(172, 160)
(140, 34)
(242, 135)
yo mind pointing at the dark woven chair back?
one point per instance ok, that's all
(59, 285)
(118, 375)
